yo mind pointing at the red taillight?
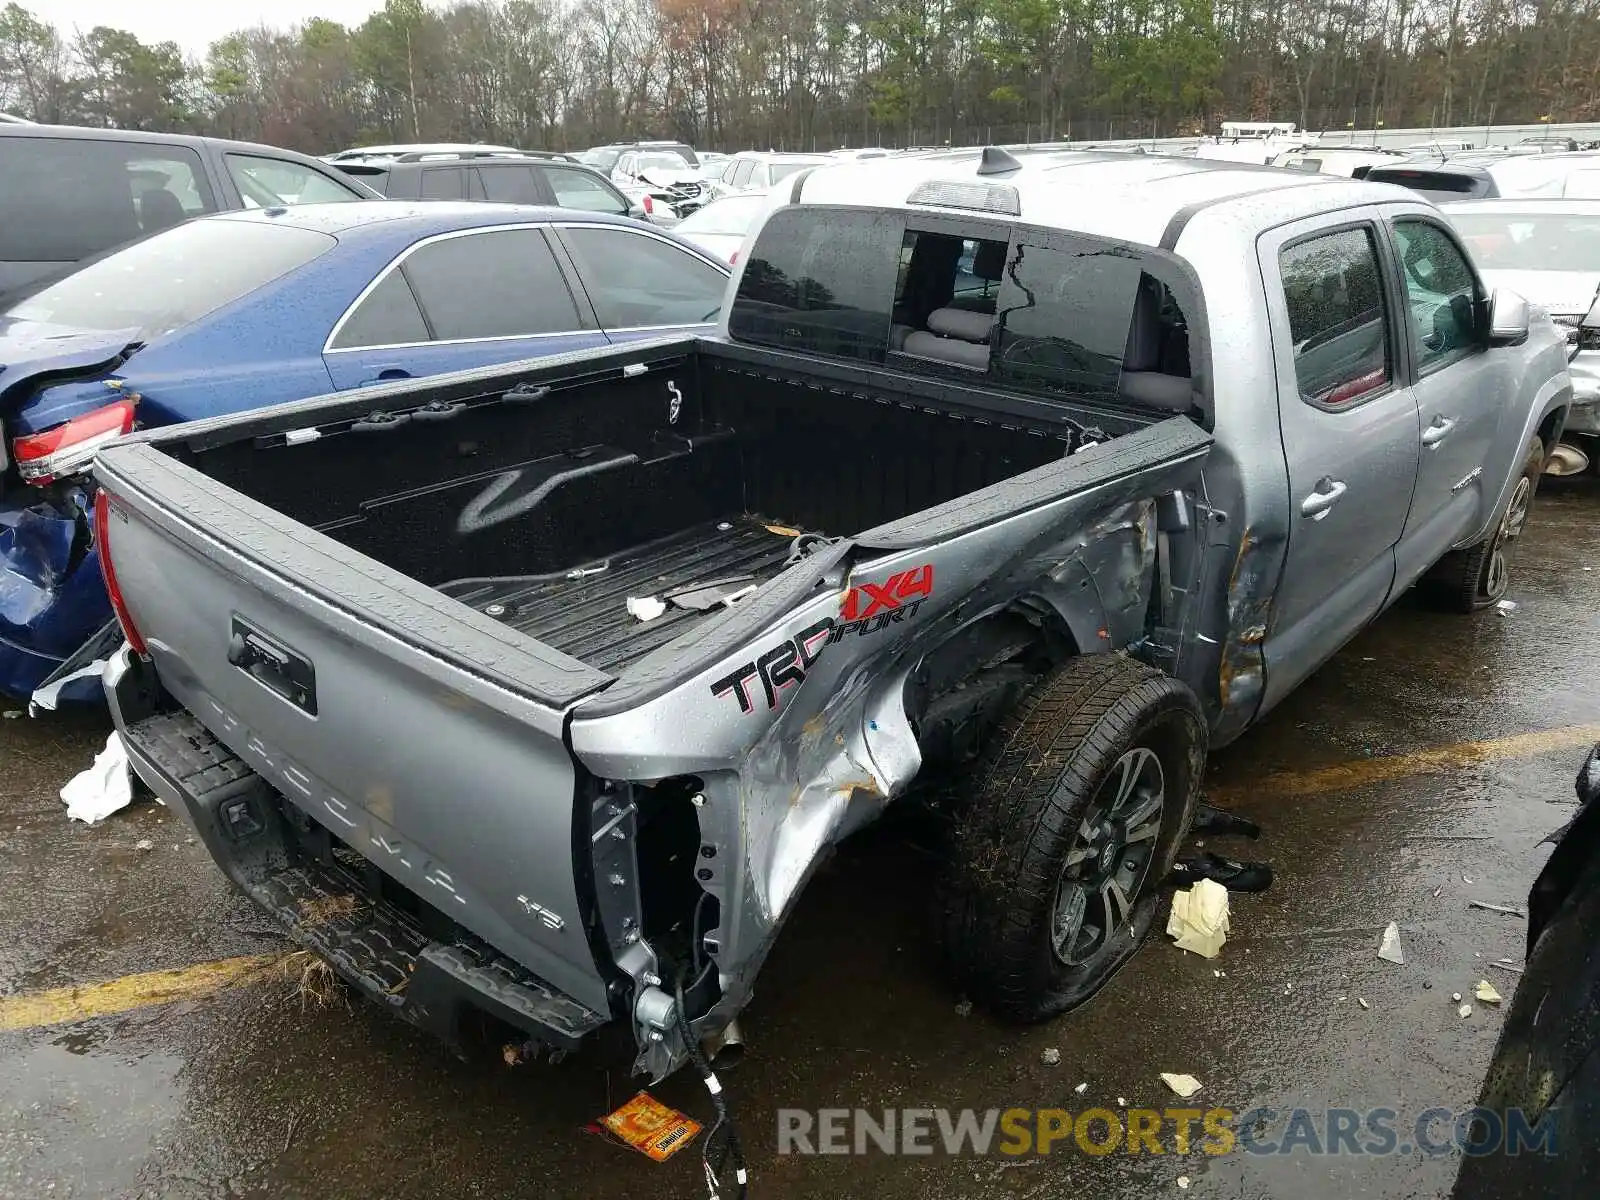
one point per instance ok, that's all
(733, 259)
(69, 448)
(102, 541)
(649, 206)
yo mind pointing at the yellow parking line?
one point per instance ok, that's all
(60, 1005)
(1366, 771)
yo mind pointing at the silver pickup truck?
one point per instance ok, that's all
(537, 694)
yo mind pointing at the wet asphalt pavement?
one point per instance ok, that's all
(253, 1092)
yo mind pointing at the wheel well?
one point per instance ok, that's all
(968, 681)
(1547, 429)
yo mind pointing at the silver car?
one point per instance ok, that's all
(1549, 251)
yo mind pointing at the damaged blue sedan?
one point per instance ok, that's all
(242, 310)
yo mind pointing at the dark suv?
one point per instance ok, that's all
(67, 193)
(524, 177)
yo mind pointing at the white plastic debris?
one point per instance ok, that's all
(95, 793)
(1485, 992)
(1506, 607)
(1050, 1057)
(1362, 1000)
(963, 1007)
(12, 714)
(1199, 919)
(1184, 1085)
(1183, 1183)
(645, 608)
(1081, 1088)
(1465, 1010)
(1389, 949)
(1122, 1102)
(1456, 996)
(144, 844)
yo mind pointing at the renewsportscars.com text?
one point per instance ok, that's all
(1135, 1131)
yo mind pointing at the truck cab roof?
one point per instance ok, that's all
(1096, 192)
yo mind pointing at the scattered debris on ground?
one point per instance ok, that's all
(1506, 607)
(1081, 1089)
(1362, 1000)
(1199, 919)
(144, 844)
(1389, 949)
(103, 788)
(1505, 964)
(1050, 1057)
(650, 1127)
(1465, 1010)
(1183, 1183)
(1184, 1085)
(1506, 909)
(1485, 992)
(963, 1007)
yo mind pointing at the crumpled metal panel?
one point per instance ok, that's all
(49, 600)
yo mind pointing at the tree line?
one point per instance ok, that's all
(822, 74)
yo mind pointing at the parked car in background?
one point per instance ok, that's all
(509, 177)
(720, 227)
(754, 172)
(711, 163)
(1557, 176)
(662, 182)
(1438, 148)
(8, 119)
(1440, 182)
(67, 193)
(604, 158)
(1351, 162)
(1549, 251)
(242, 310)
(372, 153)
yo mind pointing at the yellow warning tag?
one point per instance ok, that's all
(652, 1128)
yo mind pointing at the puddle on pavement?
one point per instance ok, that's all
(80, 1120)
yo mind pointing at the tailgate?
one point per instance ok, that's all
(418, 732)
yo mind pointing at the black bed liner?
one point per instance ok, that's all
(584, 613)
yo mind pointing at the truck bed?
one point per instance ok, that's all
(584, 613)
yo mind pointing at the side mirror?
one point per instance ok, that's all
(1508, 318)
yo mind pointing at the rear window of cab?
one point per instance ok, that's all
(978, 300)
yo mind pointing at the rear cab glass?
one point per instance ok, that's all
(1033, 309)
(1439, 186)
(174, 278)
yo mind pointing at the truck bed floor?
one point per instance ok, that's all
(584, 612)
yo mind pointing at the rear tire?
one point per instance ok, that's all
(1477, 577)
(1078, 806)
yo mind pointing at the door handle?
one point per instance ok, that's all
(1326, 495)
(1438, 431)
(387, 375)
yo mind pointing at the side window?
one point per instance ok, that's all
(625, 165)
(636, 280)
(1440, 293)
(728, 168)
(1333, 290)
(268, 182)
(741, 175)
(503, 283)
(758, 177)
(388, 316)
(65, 199)
(574, 188)
(444, 183)
(509, 183)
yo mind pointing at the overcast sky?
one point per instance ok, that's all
(194, 24)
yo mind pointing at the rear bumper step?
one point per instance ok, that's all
(374, 944)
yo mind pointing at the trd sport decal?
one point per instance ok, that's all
(866, 608)
(784, 664)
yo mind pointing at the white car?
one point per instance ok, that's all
(720, 227)
(662, 182)
(1548, 251)
(752, 172)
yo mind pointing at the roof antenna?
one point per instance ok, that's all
(996, 161)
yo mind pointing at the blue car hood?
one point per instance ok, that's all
(30, 349)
